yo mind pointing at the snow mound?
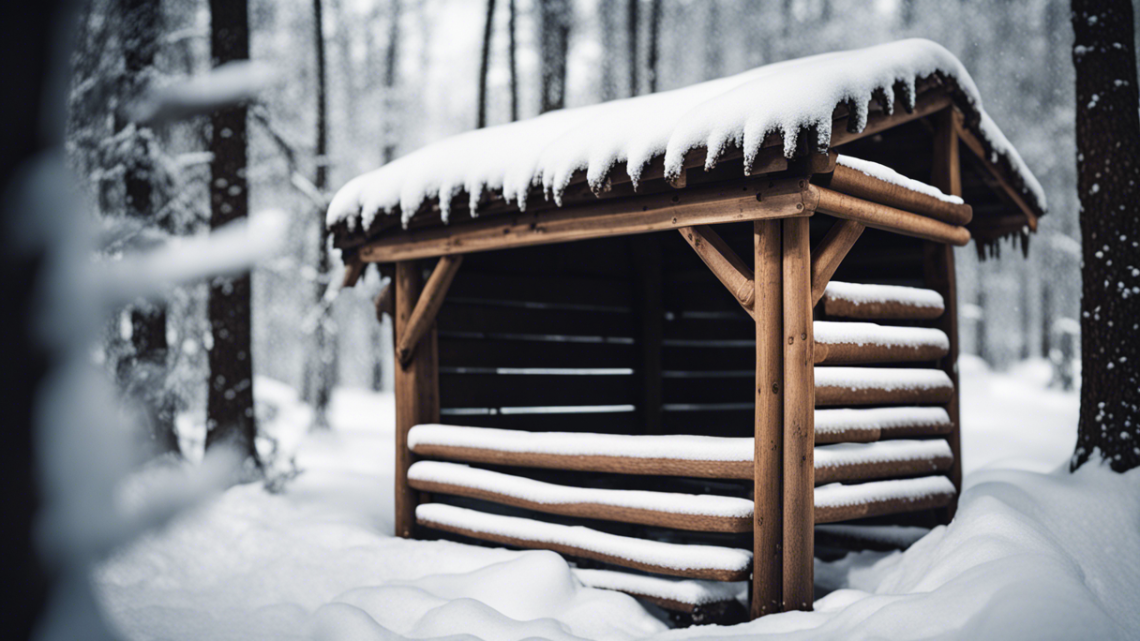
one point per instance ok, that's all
(738, 112)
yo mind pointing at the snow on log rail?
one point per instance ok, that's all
(693, 561)
(846, 343)
(881, 184)
(672, 455)
(881, 386)
(839, 502)
(703, 513)
(849, 425)
(702, 125)
(679, 595)
(888, 302)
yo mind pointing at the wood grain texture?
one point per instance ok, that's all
(724, 263)
(870, 435)
(754, 198)
(569, 550)
(880, 508)
(882, 470)
(871, 214)
(416, 391)
(856, 183)
(854, 353)
(827, 396)
(799, 401)
(830, 252)
(604, 512)
(592, 463)
(767, 538)
(842, 308)
(427, 306)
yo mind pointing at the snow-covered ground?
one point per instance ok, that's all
(1034, 553)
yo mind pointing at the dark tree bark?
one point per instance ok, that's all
(512, 50)
(229, 401)
(654, 43)
(1108, 182)
(391, 52)
(554, 21)
(320, 372)
(632, 23)
(143, 374)
(485, 64)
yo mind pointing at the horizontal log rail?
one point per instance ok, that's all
(881, 470)
(729, 269)
(871, 431)
(882, 507)
(867, 353)
(829, 253)
(732, 201)
(885, 310)
(856, 183)
(431, 299)
(830, 396)
(871, 214)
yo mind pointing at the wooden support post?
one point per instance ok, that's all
(830, 252)
(767, 471)
(940, 275)
(423, 316)
(651, 318)
(724, 263)
(799, 417)
(417, 391)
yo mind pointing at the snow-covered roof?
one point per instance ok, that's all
(729, 117)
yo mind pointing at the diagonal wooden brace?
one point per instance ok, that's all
(431, 299)
(724, 263)
(829, 253)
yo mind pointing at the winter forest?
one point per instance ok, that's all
(236, 478)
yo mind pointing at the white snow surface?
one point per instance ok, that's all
(684, 447)
(859, 293)
(856, 378)
(1034, 552)
(840, 454)
(882, 418)
(840, 494)
(832, 332)
(738, 111)
(667, 555)
(886, 174)
(551, 494)
(691, 591)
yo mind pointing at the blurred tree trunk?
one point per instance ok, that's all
(606, 10)
(654, 43)
(320, 371)
(714, 47)
(632, 24)
(230, 415)
(1108, 171)
(485, 64)
(143, 374)
(512, 51)
(554, 23)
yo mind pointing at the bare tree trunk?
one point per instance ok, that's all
(1108, 170)
(654, 43)
(485, 64)
(320, 371)
(555, 40)
(606, 9)
(631, 27)
(512, 50)
(229, 402)
(143, 374)
(391, 51)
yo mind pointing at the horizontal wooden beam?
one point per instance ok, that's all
(928, 102)
(871, 214)
(754, 198)
(856, 183)
(832, 514)
(829, 253)
(866, 353)
(431, 299)
(586, 510)
(881, 470)
(885, 310)
(826, 395)
(724, 263)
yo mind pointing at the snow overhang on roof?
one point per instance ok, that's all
(791, 107)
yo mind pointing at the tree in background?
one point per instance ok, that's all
(632, 25)
(654, 43)
(554, 24)
(229, 398)
(320, 371)
(1108, 182)
(512, 51)
(485, 64)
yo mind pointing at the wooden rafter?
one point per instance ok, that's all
(856, 183)
(830, 252)
(724, 264)
(871, 214)
(971, 141)
(427, 306)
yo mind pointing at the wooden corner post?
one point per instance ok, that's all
(799, 417)
(768, 466)
(939, 274)
(417, 390)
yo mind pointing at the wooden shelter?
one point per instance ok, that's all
(702, 364)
